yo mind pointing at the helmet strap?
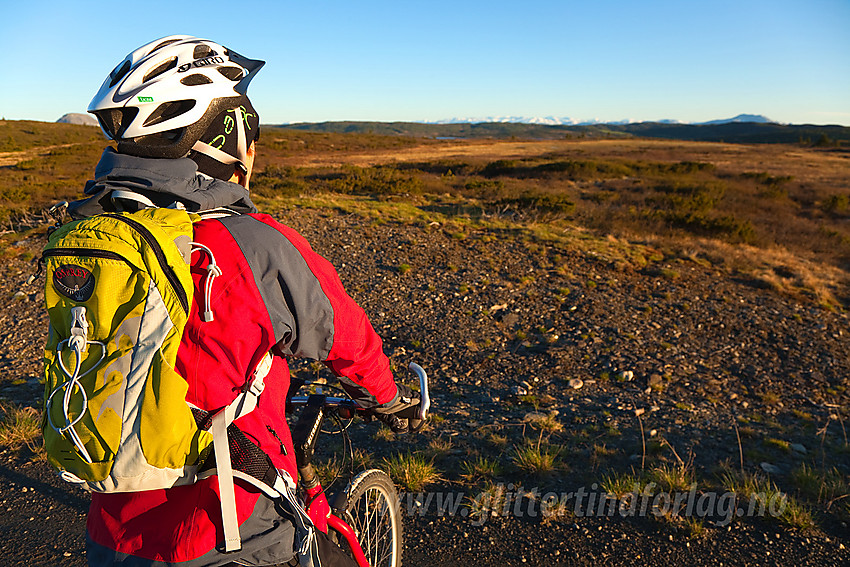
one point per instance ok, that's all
(241, 158)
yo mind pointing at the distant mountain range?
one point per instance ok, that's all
(747, 129)
(565, 121)
(89, 120)
(744, 128)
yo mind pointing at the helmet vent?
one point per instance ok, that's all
(169, 110)
(196, 79)
(160, 69)
(118, 73)
(115, 121)
(163, 44)
(232, 73)
(160, 139)
(202, 50)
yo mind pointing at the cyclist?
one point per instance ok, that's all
(186, 137)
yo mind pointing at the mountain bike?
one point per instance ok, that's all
(365, 517)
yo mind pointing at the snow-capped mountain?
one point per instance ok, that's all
(548, 120)
(566, 121)
(741, 118)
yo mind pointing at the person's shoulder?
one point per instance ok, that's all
(263, 230)
(256, 220)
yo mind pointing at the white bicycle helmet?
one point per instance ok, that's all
(161, 98)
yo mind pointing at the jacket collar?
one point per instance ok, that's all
(163, 181)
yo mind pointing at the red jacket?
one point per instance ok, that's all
(275, 293)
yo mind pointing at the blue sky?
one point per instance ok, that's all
(373, 60)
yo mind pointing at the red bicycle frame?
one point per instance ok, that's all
(304, 436)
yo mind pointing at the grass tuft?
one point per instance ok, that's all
(536, 458)
(20, 427)
(481, 468)
(763, 495)
(411, 471)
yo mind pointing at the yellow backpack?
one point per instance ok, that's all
(118, 291)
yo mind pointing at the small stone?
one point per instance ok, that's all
(655, 380)
(19, 295)
(745, 405)
(639, 412)
(454, 379)
(798, 448)
(576, 383)
(518, 391)
(770, 469)
(626, 376)
(67, 554)
(653, 432)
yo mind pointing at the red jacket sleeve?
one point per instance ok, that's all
(312, 314)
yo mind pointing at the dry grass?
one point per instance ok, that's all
(480, 468)
(546, 422)
(537, 458)
(411, 471)
(760, 492)
(20, 427)
(770, 267)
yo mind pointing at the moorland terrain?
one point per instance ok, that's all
(628, 316)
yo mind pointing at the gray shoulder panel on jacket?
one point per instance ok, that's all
(300, 312)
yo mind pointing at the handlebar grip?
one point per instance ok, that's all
(425, 404)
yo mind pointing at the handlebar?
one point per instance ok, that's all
(347, 407)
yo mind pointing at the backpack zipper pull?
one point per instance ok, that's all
(213, 271)
(79, 329)
(38, 271)
(279, 440)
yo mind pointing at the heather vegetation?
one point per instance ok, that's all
(675, 201)
(734, 132)
(717, 204)
(21, 135)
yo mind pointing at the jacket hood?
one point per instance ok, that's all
(163, 181)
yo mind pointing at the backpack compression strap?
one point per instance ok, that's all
(242, 405)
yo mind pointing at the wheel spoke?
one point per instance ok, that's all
(374, 519)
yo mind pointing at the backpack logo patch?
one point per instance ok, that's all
(74, 282)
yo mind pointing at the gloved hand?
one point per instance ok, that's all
(399, 413)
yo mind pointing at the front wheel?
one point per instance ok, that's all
(370, 505)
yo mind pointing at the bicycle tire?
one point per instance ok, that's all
(370, 505)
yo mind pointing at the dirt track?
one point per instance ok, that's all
(12, 158)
